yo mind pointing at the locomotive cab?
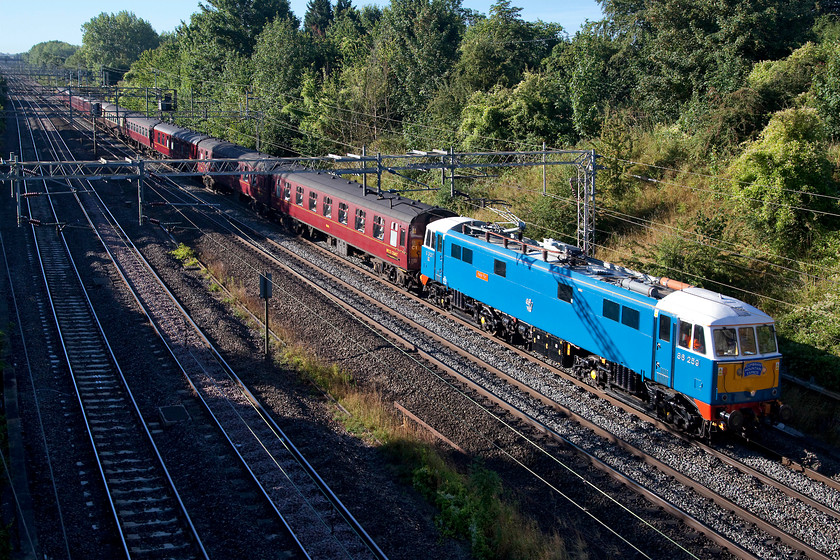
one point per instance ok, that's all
(722, 353)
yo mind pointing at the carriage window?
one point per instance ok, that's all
(378, 227)
(630, 317)
(287, 192)
(664, 328)
(685, 334)
(611, 310)
(455, 251)
(725, 342)
(564, 292)
(395, 234)
(299, 196)
(746, 336)
(327, 207)
(766, 339)
(313, 201)
(402, 238)
(499, 268)
(466, 255)
(342, 213)
(360, 220)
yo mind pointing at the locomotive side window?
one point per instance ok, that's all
(664, 328)
(746, 336)
(725, 342)
(630, 317)
(499, 268)
(766, 339)
(360, 220)
(564, 292)
(342, 213)
(378, 227)
(299, 196)
(313, 201)
(685, 334)
(327, 207)
(699, 341)
(611, 310)
(455, 251)
(466, 255)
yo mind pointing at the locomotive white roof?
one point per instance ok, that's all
(705, 307)
(446, 224)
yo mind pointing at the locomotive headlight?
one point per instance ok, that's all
(775, 392)
(752, 393)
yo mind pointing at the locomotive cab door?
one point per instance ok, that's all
(439, 257)
(666, 334)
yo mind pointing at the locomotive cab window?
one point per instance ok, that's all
(313, 201)
(299, 196)
(360, 220)
(746, 337)
(697, 342)
(378, 227)
(430, 239)
(455, 251)
(342, 213)
(327, 207)
(725, 342)
(466, 255)
(499, 268)
(766, 339)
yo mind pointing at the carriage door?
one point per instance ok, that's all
(439, 257)
(666, 333)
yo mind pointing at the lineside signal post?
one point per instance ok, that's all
(265, 293)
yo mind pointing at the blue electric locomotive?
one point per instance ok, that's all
(705, 361)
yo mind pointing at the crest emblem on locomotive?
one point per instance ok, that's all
(753, 368)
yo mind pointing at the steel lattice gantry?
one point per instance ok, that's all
(447, 162)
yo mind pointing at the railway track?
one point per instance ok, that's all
(149, 515)
(320, 524)
(789, 538)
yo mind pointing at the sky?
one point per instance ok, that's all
(24, 23)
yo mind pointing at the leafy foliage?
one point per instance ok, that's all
(116, 40)
(776, 178)
(50, 53)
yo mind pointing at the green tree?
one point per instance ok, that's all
(777, 177)
(535, 111)
(497, 50)
(319, 15)
(116, 40)
(827, 90)
(685, 51)
(50, 53)
(235, 24)
(416, 46)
